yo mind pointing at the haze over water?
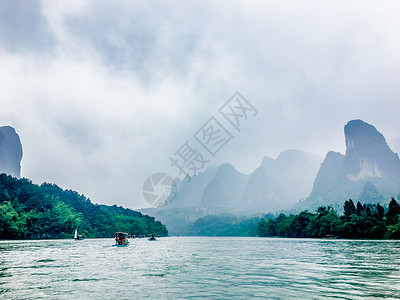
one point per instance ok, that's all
(186, 267)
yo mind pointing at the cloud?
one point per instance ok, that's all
(103, 93)
(23, 28)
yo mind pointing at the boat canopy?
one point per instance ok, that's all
(121, 234)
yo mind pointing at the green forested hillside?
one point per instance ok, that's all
(28, 211)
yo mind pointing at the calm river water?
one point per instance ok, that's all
(189, 267)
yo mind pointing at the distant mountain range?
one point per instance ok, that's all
(275, 185)
(10, 152)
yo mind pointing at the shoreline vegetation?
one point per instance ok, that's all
(361, 221)
(46, 211)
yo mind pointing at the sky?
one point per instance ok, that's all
(103, 93)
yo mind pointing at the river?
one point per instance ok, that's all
(200, 267)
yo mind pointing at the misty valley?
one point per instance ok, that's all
(293, 196)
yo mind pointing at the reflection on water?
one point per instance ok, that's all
(223, 268)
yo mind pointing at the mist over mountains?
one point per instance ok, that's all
(275, 185)
(368, 172)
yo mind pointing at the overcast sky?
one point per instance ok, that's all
(102, 93)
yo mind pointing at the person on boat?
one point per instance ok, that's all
(121, 239)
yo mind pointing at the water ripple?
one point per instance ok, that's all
(219, 268)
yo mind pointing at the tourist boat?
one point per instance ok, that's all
(77, 236)
(152, 237)
(121, 239)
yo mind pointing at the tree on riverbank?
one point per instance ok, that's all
(28, 210)
(361, 221)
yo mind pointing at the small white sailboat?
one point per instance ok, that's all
(77, 237)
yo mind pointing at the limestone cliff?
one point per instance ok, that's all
(10, 152)
(369, 167)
